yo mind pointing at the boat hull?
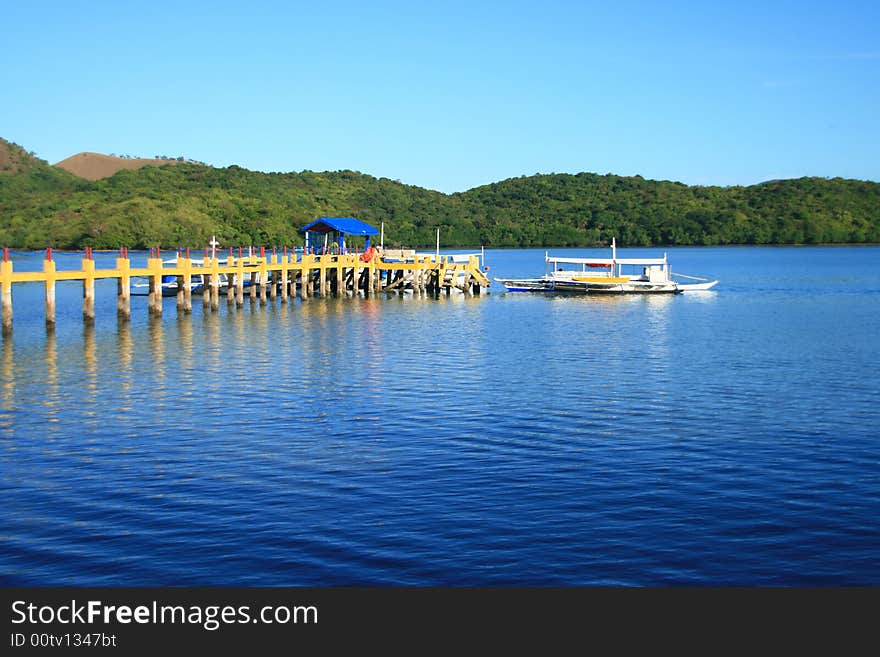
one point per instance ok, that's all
(526, 284)
(593, 287)
(585, 287)
(696, 287)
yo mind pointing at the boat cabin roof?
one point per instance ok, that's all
(608, 261)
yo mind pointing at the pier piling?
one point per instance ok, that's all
(49, 272)
(187, 292)
(123, 286)
(305, 288)
(181, 286)
(88, 268)
(6, 293)
(154, 265)
(215, 289)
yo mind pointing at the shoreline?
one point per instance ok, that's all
(13, 249)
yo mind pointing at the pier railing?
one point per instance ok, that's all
(281, 274)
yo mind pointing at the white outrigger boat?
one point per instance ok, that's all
(607, 276)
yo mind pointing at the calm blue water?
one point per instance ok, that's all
(723, 438)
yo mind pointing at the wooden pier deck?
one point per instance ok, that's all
(283, 275)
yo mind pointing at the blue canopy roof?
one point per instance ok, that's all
(345, 225)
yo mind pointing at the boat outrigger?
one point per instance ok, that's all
(607, 276)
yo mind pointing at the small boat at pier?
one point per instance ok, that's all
(608, 276)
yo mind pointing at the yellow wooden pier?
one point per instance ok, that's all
(281, 275)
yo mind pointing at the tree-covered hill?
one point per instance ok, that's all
(573, 210)
(187, 203)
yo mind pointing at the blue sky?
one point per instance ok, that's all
(453, 95)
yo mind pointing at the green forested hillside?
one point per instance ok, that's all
(185, 204)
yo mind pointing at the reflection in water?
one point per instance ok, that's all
(184, 341)
(210, 336)
(157, 351)
(705, 296)
(185, 336)
(375, 357)
(7, 397)
(317, 349)
(124, 356)
(657, 315)
(51, 399)
(657, 341)
(8, 368)
(238, 319)
(90, 360)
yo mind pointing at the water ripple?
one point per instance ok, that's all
(505, 439)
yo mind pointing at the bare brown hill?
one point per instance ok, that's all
(93, 166)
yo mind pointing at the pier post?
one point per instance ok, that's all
(263, 277)
(154, 264)
(253, 287)
(305, 290)
(187, 286)
(239, 281)
(123, 287)
(186, 262)
(419, 282)
(315, 278)
(264, 289)
(181, 285)
(88, 267)
(6, 292)
(210, 282)
(441, 277)
(207, 291)
(356, 275)
(230, 288)
(285, 282)
(49, 270)
(322, 281)
(215, 287)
